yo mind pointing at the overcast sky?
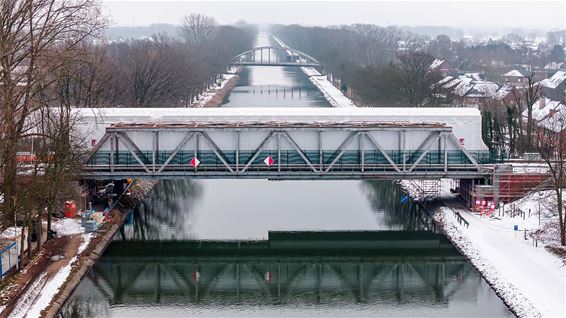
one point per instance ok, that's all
(531, 14)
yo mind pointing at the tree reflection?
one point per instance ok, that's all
(166, 214)
(386, 197)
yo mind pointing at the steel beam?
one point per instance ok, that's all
(299, 150)
(219, 154)
(426, 150)
(342, 149)
(258, 150)
(183, 142)
(376, 145)
(127, 142)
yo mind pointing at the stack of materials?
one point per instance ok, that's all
(91, 220)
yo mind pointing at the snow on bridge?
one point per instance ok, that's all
(283, 143)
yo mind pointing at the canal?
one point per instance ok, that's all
(240, 248)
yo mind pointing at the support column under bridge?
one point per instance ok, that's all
(283, 150)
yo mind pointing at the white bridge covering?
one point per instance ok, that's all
(464, 122)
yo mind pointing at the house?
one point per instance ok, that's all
(505, 94)
(468, 89)
(514, 78)
(549, 114)
(555, 87)
(441, 67)
(551, 68)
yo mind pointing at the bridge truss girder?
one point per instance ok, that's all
(322, 163)
(274, 56)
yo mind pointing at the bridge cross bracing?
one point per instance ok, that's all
(323, 150)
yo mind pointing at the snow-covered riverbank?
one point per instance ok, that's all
(530, 279)
(224, 86)
(332, 94)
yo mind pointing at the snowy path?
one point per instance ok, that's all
(332, 94)
(512, 263)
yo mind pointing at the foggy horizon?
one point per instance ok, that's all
(500, 14)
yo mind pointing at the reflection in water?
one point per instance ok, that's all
(385, 198)
(209, 209)
(166, 213)
(187, 279)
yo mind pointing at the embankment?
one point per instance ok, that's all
(97, 245)
(332, 94)
(214, 97)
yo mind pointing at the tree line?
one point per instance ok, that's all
(54, 58)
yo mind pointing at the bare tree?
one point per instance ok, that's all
(415, 78)
(551, 144)
(197, 29)
(33, 35)
(525, 98)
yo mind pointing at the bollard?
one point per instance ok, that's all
(529, 213)
(525, 236)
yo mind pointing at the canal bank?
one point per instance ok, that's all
(526, 276)
(332, 94)
(215, 96)
(41, 288)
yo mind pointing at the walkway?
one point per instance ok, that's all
(518, 271)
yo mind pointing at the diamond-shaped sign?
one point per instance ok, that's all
(269, 161)
(195, 162)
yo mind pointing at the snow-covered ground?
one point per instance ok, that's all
(529, 279)
(41, 293)
(66, 226)
(332, 94)
(206, 96)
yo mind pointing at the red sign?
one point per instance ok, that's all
(269, 161)
(195, 162)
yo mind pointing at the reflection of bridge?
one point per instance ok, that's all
(274, 56)
(287, 144)
(254, 273)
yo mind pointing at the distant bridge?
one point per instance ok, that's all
(274, 56)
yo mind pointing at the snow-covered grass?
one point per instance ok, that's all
(529, 279)
(66, 226)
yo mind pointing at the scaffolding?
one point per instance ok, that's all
(508, 184)
(426, 189)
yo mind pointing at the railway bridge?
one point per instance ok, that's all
(281, 143)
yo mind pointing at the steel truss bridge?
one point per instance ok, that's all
(274, 56)
(283, 150)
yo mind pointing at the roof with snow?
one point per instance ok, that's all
(435, 64)
(503, 92)
(514, 73)
(469, 85)
(549, 114)
(553, 66)
(554, 81)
